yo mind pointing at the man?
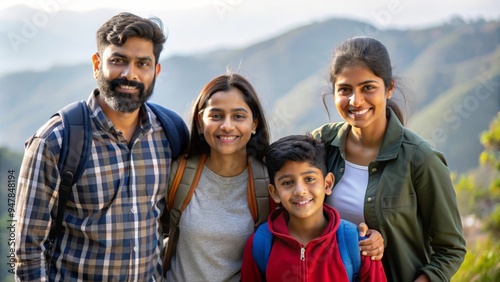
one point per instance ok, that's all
(111, 228)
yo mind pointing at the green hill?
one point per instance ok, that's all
(454, 120)
(452, 70)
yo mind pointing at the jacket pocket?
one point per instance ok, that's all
(393, 202)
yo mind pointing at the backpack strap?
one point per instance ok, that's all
(261, 247)
(75, 151)
(346, 240)
(77, 142)
(180, 190)
(258, 198)
(175, 128)
(349, 248)
(185, 180)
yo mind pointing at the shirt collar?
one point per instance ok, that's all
(393, 138)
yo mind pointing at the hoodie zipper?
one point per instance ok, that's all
(303, 265)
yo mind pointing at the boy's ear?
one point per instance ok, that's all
(329, 181)
(274, 193)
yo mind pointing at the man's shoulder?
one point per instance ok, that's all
(174, 126)
(47, 138)
(51, 130)
(161, 111)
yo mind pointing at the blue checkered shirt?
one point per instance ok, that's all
(111, 229)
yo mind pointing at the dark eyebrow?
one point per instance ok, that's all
(361, 83)
(302, 173)
(146, 58)
(368, 82)
(233, 110)
(283, 176)
(118, 54)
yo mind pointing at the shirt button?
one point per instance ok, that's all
(374, 170)
(369, 200)
(132, 210)
(135, 249)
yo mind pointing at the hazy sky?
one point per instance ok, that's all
(201, 25)
(250, 14)
(386, 13)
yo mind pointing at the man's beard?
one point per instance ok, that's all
(123, 102)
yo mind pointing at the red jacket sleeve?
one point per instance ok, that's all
(249, 269)
(372, 270)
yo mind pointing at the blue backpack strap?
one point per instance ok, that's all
(73, 157)
(175, 128)
(348, 242)
(261, 247)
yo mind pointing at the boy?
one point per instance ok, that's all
(304, 244)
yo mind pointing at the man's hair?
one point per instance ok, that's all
(123, 26)
(296, 148)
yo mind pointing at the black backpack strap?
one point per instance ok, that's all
(175, 128)
(75, 151)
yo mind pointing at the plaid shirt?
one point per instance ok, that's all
(111, 224)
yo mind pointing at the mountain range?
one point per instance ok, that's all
(450, 74)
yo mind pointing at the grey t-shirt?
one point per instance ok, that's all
(213, 230)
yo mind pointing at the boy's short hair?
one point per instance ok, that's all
(297, 148)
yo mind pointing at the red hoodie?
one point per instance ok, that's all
(321, 260)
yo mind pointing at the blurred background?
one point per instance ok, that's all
(445, 53)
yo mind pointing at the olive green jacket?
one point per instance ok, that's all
(410, 199)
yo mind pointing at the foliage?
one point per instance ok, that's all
(482, 262)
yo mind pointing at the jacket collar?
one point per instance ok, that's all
(392, 139)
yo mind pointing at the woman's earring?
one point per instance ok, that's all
(253, 132)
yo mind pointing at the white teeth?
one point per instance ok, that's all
(127, 87)
(359, 112)
(227, 137)
(303, 202)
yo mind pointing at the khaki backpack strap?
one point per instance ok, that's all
(176, 181)
(179, 194)
(183, 184)
(259, 201)
(173, 185)
(252, 201)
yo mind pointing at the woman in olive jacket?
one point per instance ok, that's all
(386, 175)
